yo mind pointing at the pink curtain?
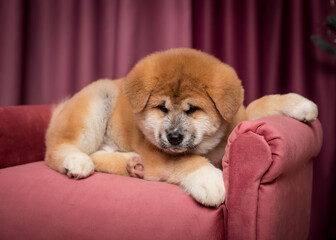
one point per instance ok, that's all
(50, 49)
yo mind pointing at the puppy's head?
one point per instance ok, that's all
(183, 99)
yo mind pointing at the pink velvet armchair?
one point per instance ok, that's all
(267, 171)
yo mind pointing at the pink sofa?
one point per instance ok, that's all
(267, 172)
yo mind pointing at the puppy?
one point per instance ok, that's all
(167, 120)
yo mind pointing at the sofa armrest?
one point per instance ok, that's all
(267, 171)
(22, 131)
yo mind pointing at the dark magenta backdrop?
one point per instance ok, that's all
(50, 49)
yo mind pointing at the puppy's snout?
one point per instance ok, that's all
(175, 138)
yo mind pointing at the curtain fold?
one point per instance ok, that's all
(11, 17)
(51, 49)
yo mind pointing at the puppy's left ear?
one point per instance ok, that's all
(138, 85)
(226, 93)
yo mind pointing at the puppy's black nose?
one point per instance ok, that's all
(175, 138)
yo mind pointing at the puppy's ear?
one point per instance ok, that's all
(138, 85)
(227, 93)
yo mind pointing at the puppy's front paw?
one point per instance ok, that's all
(134, 166)
(206, 185)
(78, 165)
(300, 108)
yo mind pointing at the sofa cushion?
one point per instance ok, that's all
(39, 203)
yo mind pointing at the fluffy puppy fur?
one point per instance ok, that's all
(167, 120)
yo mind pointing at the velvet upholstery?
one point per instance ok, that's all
(267, 170)
(42, 204)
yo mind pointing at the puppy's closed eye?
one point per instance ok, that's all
(163, 108)
(192, 109)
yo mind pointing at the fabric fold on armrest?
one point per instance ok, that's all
(291, 142)
(22, 134)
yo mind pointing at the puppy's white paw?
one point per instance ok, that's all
(78, 165)
(206, 185)
(300, 108)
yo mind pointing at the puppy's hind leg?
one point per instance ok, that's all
(291, 104)
(120, 163)
(77, 129)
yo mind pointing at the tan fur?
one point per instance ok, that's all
(125, 115)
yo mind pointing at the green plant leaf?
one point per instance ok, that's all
(331, 22)
(324, 45)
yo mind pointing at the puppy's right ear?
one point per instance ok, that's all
(138, 85)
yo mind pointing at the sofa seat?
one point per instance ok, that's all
(43, 204)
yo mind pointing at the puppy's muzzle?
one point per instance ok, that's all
(175, 138)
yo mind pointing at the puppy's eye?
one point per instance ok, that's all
(162, 108)
(192, 109)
